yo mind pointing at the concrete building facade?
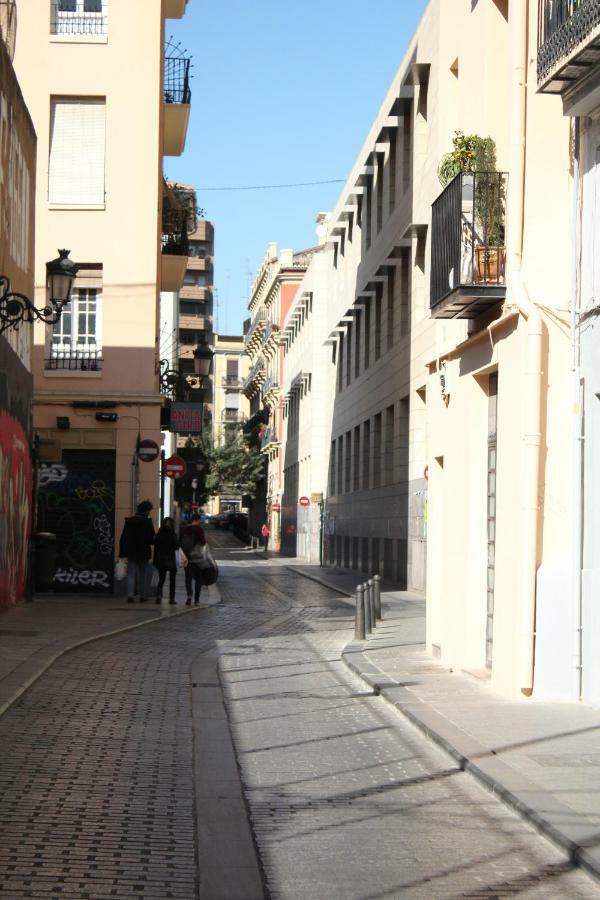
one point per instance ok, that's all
(448, 334)
(271, 296)
(231, 408)
(106, 110)
(568, 67)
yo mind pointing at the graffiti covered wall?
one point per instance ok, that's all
(17, 189)
(76, 502)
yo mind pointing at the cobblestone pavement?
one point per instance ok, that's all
(346, 799)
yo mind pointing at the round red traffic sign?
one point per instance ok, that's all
(147, 450)
(276, 507)
(175, 467)
(304, 501)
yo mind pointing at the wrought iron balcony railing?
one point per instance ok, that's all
(468, 255)
(232, 381)
(76, 17)
(269, 436)
(232, 415)
(568, 32)
(177, 80)
(75, 359)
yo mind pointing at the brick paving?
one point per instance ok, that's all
(347, 800)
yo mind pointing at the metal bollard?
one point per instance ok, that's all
(371, 587)
(367, 607)
(377, 594)
(359, 620)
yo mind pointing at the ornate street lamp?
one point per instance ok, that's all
(203, 360)
(16, 308)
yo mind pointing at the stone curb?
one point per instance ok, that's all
(5, 706)
(318, 580)
(548, 815)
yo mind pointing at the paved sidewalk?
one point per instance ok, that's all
(542, 758)
(34, 635)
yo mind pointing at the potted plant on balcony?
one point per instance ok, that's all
(476, 156)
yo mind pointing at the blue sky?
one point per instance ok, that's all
(281, 93)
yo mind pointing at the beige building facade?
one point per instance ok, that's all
(106, 110)
(231, 408)
(446, 320)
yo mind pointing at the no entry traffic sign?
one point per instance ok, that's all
(175, 467)
(304, 501)
(147, 450)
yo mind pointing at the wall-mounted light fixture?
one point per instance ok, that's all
(17, 308)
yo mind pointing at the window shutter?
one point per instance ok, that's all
(232, 368)
(77, 143)
(232, 401)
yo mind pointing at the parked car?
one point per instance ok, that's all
(222, 520)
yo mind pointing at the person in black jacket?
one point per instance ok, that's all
(165, 548)
(135, 546)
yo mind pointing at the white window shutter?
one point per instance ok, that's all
(77, 146)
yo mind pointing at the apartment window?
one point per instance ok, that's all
(380, 170)
(195, 279)
(232, 368)
(356, 460)
(377, 450)
(389, 444)
(393, 162)
(232, 400)
(76, 341)
(332, 468)
(348, 463)
(340, 464)
(77, 149)
(357, 342)
(78, 17)
(188, 308)
(366, 455)
(379, 290)
(391, 301)
(348, 343)
(198, 249)
(367, 358)
(341, 363)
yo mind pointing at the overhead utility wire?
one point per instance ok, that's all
(267, 187)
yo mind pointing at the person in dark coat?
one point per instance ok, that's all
(193, 543)
(165, 560)
(135, 546)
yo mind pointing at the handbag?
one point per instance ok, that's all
(120, 569)
(181, 559)
(209, 572)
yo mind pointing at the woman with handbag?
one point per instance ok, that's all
(166, 546)
(193, 543)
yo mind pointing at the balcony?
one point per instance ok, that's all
(174, 9)
(84, 359)
(253, 337)
(270, 388)
(231, 381)
(177, 216)
(270, 338)
(268, 439)
(569, 51)
(177, 98)
(468, 256)
(77, 18)
(232, 416)
(194, 292)
(254, 379)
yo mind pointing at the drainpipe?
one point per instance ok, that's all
(532, 382)
(578, 423)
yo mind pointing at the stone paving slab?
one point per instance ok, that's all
(541, 758)
(34, 635)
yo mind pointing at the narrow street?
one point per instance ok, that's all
(346, 799)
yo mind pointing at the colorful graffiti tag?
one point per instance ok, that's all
(76, 502)
(15, 509)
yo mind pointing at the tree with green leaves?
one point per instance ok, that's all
(231, 464)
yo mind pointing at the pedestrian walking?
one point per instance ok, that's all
(265, 532)
(166, 545)
(135, 546)
(193, 544)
